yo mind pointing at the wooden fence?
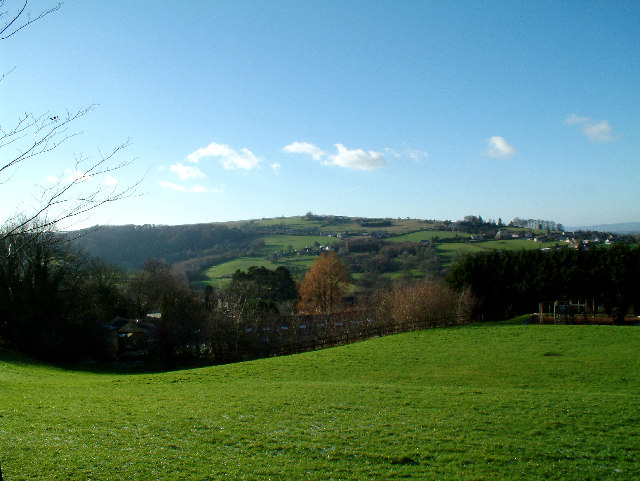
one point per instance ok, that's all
(347, 333)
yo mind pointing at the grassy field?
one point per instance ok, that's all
(279, 237)
(449, 252)
(419, 236)
(475, 402)
(398, 227)
(278, 243)
(220, 275)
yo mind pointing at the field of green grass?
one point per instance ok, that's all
(278, 243)
(474, 402)
(450, 251)
(220, 275)
(277, 239)
(398, 227)
(419, 236)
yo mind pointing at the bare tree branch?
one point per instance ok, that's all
(63, 204)
(17, 21)
(48, 133)
(73, 196)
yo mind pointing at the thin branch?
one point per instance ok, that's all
(52, 132)
(8, 30)
(67, 199)
(58, 196)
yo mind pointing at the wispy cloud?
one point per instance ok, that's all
(413, 154)
(229, 158)
(305, 148)
(499, 148)
(75, 176)
(275, 166)
(416, 154)
(186, 171)
(355, 159)
(598, 132)
(196, 189)
(594, 130)
(111, 181)
(393, 152)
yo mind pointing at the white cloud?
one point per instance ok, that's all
(211, 150)
(275, 166)
(76, 176)
(229, 158)
(110, 181)
(595, 131)
(186, 172)
(305, 148)
(498, 147)
(169, 185)
(576, 119)
(393, 152)
(356, 159)
(416, 154)
(598, 132)
(413, 154)
(181, 188)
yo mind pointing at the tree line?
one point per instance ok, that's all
(58, 303)
(507, 283)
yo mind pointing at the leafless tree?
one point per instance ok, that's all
(12, 23)
(68, 199)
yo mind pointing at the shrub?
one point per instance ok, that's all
(428, 302)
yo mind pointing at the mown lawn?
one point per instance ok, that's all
(475, 402)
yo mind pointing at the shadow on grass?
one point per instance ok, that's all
(12, 356)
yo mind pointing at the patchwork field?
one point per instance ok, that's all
(475, 402)
(279, 242)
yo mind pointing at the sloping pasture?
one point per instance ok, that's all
(474, 402)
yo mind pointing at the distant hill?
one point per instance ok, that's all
(375, 250)
(623, 228)
(130, 246)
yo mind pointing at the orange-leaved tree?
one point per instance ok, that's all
(324, 285)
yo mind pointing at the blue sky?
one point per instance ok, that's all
(241, 110)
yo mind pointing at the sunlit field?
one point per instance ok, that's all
(474, 402)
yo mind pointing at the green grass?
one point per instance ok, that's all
(401, 230)
(279, 243)
(428, 235)
(514, 244)
(449, 251)
(298, 265)
(220, 275)
(477, 402)
(400, 226)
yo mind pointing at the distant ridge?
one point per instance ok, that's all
(623, 228)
